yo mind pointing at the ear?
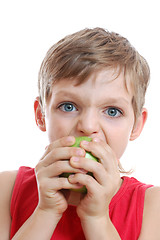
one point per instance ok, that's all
(39, 117)
(138, 127)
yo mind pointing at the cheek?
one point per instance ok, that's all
(118, 140)
(120, 146)
(56, 128)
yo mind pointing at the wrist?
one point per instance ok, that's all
(47, 214)
(95, 220)
(99, 228)
(40, 225)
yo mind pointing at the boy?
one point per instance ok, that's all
(91, 83)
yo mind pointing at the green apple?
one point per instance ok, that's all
(88, 155)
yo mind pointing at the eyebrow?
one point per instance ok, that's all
(110, 100)
(65, 94)
(117, 100)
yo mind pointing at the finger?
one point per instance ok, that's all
(53, 185)
(57, 169)
(85, 180)
(91, 166)
(61, 153)
(103, 152)
(62, 142)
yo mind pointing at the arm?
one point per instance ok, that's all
(151, 216)
(93, 209)
(7, 180)
(100, 229)
(52, 202)
(40, 225)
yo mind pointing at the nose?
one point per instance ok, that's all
(88, 123)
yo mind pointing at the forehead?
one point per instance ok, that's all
(101, 85)
(100, 78)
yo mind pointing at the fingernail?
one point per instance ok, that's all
(71, 176)
(80, 152)
(85, 142)
(70, 139)
(75, 159)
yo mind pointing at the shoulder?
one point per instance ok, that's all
(8, 175)
(7, 181)
(152, 202)
(152, 194)
(151, 215)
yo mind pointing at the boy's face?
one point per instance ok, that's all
(98, 107)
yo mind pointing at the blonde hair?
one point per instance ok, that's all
(81, 54)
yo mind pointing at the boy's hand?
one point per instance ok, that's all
(103, 186)
(54, 162)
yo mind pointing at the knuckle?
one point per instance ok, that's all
(37, 168)
(99, 167)
(53, 151)
(66, 141)
(77, 151)
(73, 151)
(63, 182)
(49, 147)
(58, 166)
(38, 175)
(42, 185)
(89, 180)
(39, 171)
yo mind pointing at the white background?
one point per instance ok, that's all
(27, 30)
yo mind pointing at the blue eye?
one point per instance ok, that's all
(113, 112)
(67, 107)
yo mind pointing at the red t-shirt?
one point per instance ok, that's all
(126, 208)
